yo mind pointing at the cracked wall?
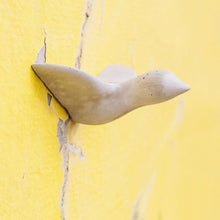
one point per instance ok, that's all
(157, 162)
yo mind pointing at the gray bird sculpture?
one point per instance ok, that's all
(114, 92)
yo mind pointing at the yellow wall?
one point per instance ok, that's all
(157, 162)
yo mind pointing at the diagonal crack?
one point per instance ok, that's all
(62, 131)
(65, 146)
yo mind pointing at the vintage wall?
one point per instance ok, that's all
(159, 162)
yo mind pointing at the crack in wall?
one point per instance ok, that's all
(62, 126)
(41, 56)
(87, 14)
(65, 156)
(65, 146)
(62, 130)
(41, 59)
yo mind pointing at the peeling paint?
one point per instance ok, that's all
(62, 127)
(49, 98)
(62, 134)
(141, 34)
(65, 156)
(65, 146)
(86, 17)
(41, 57)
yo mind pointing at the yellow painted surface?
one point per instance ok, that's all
(157, 162)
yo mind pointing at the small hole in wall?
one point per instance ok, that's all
(49, 97)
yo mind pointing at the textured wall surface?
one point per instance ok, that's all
(159, 162)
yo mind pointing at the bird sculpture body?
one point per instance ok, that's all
(114, 92)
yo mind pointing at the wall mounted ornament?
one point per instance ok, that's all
(114, 92)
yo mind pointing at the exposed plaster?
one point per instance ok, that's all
(41, 57)
(65, 156)
(62, 127)
(49, 98)
(62, 130)
(62, 134)
(87, 14)
(65, 146)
